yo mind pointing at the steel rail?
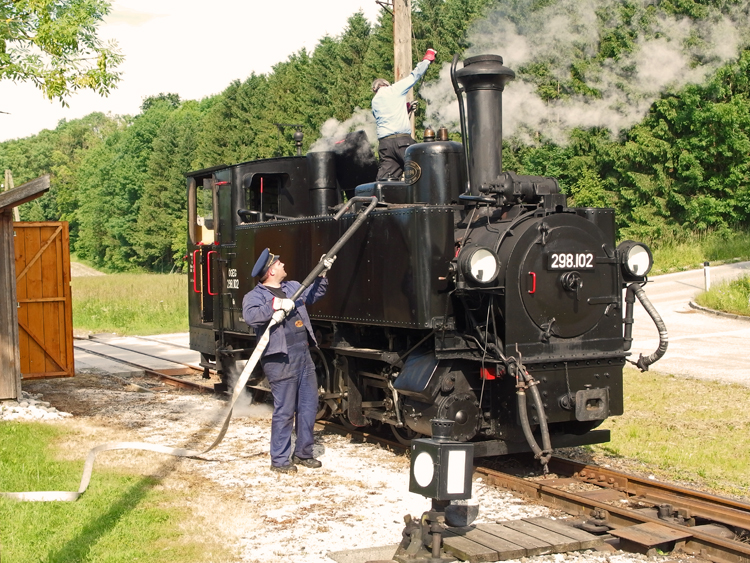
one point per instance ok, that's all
(700, 543)
(152, 339)
(169, 379)
(101, 341)
(697, 503)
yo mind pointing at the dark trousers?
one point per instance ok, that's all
(295, 399)
(391, 151)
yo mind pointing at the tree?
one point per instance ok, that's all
(53, 44)
(160, 240)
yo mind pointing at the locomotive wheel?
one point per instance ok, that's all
(404, 435)
(344, 421)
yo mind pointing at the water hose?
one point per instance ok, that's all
(278, 317)
(635, 290)
(528, 382)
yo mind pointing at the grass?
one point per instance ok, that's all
(691, 430)
(691, 251)
(120, 518)
(731, 297)
(131, 303)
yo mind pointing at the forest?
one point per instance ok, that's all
(640, 105)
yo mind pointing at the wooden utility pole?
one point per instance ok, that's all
(402, 45)
(10, 363)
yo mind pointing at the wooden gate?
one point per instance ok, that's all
(45, 313)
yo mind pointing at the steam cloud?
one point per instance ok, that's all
(671, 53)
(334, 130)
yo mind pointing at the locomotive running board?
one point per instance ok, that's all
(491, 448)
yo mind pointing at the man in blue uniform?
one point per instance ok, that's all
(286, 361)
(391, 114)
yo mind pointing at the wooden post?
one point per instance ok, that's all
(402, 45)
(10, 363)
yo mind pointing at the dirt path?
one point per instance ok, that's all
(78, 270)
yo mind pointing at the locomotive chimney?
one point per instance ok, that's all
(483, 79)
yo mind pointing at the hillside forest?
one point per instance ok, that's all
(640, 105)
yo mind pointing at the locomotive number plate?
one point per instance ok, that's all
(571, 261)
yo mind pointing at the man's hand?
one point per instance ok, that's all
(327, 262)
(285, 305)
(430, 55)
(411, 107)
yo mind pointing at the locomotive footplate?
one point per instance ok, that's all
(490, 448)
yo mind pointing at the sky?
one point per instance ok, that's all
(189, 47)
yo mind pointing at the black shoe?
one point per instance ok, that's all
(310, 462)
(288, 468)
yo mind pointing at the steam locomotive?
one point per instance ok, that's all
(469, 293)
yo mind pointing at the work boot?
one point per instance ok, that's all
(310, 462)
(288, 468)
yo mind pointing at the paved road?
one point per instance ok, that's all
(701, 345)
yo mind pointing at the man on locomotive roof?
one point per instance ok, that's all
(391, 112)
(286, 360)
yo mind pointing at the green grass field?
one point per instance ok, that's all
(131, 303)
(689, 429)
(120, 518)
(730, 297)
(690, 252)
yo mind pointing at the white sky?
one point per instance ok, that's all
(193, 48)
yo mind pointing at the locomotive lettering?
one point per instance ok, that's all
(571, 261)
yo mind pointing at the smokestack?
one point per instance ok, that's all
(483, 79)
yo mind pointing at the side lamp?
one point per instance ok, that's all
(441, 469)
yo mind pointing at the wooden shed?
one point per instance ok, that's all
(36, 329)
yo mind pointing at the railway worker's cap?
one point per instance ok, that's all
(379, 83)
(265, 261)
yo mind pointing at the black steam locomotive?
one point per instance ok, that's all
(468, 293)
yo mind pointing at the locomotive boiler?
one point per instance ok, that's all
(469, 293)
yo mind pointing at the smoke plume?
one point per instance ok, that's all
(668, 52)
(334, 130)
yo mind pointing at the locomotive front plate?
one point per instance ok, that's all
(571, 260)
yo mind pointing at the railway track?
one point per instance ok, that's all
(183, 375)
(634, 513)
(647, 516)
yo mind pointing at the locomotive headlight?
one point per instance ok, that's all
(636, 260)
(479, 264)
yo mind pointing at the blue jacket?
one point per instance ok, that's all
(389, 104)
(257, 309)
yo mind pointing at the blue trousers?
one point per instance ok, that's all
(295, 399)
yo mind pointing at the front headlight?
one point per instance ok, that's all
(636, 260)
(480, 265)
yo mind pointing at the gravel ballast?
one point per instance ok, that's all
(356, 500)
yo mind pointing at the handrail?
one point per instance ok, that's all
(195, 272)
(208, 270)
